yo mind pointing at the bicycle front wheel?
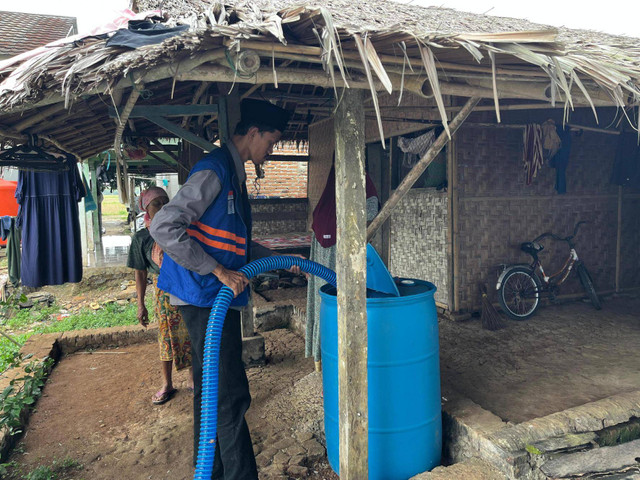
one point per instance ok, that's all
(519, 293)
(587, 284)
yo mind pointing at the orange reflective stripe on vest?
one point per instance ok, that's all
(220, 233)
(215, 243)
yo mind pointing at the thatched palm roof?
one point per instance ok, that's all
(308, 51)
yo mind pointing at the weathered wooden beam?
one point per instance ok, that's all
(420, 167)
(164, 149)
(172, 166)
(196, 98)
(33, 119)
(121, 165)
(182, 133)
(351, 267)
(144, 111)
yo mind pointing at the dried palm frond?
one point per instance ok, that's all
(374, 94)
(432, 74)
(376, 64)
(495, 84)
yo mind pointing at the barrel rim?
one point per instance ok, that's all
(390, 300)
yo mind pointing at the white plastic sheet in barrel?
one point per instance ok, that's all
(405, 425)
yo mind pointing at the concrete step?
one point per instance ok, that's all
(471, 469)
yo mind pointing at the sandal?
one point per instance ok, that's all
(163, 396)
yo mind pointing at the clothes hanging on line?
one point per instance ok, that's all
(626, 166)
(415, 148)
(560, 160)
(48, 215)
(533, 157)
(9, 231)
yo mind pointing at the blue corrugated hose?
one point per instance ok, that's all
(209, 417)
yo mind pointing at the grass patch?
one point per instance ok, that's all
(58, 470)
(43, 320)
(111, 207)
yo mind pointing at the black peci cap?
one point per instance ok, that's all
(264, 113)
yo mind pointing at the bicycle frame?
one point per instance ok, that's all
(563, 273)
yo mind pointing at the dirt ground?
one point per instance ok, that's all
(566, 355)
(96, 409)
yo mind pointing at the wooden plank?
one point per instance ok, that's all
(174, 167)
(385, 193)
(182, 133)
(93, 179)
(619, 239)
(420, 167)
(351, 273)
(144, 111)
(452, 237)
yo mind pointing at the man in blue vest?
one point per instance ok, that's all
(205, 232)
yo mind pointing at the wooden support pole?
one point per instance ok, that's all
(619, 239)
(121, 165)
(351, 270)
(95, 214)
(420, 167)
(452, 211)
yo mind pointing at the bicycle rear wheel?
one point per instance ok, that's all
(519, 293)
(587, 284)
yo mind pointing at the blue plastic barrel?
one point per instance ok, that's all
(405, 425)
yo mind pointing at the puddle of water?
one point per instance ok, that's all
(114, 251)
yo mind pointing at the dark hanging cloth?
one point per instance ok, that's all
(48, 215)
(9, 231)
(324, 215)
(626, 166)
(144, 32)
(560, 160)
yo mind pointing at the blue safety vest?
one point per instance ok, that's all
(221, 232)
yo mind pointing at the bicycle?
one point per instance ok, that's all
(520, 286)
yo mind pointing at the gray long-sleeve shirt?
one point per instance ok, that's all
(169, 225)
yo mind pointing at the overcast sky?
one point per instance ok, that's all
(622, 18)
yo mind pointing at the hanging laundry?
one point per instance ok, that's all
(415, 148)
(551, 142)
(561, 159)
(626, 166)
(533, 155)
(51, 247)
(9, 231)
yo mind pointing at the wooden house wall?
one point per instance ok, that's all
(498, 211)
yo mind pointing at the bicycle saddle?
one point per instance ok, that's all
(532, 248)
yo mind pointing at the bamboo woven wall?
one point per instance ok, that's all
(279, 216)
(630, 245)
(498, 211)
(419, 245)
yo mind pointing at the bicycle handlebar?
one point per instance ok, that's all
(556, 237)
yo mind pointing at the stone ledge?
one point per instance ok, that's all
(525, 450)
(471, 469)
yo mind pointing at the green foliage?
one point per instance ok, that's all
(40, 320)
(111, 207)
(22, 392)
(43, 472)
(8, 349)
(56, 471)
(111, 315)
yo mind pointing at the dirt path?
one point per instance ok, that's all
(96, 409)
